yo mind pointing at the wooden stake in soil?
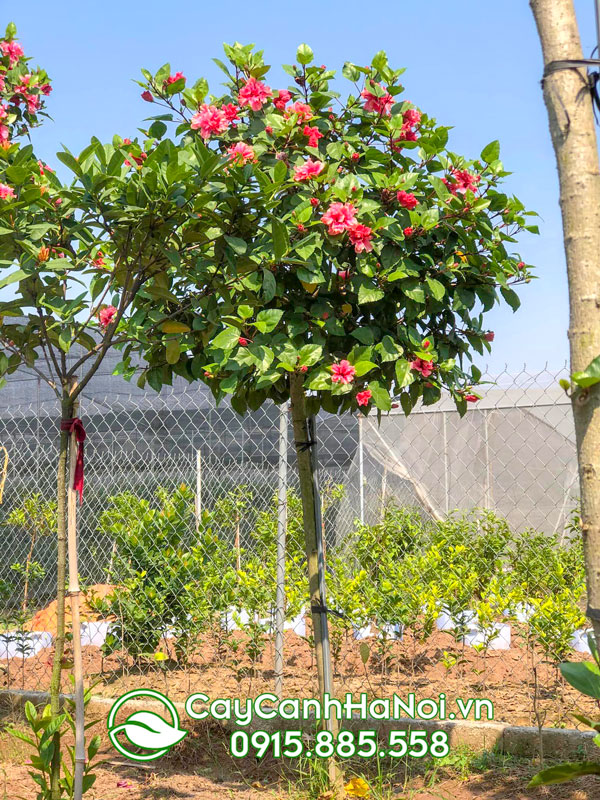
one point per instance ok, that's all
(304, 436)
(74, 593)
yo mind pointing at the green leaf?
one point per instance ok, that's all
(238, 246)
(267, 320)
(362, 367)
(172, 326)
(269, 286)
(304, 55)
(71, 162)
(491, 152)
(380, 60)
(281, 240)
(172, 351)
(227, 339)
(587, 377)
(322, 380)
(350, 71)
(511, 297)
(438, 289)
(388, 350)
(369, 294)
(365, 652)
(310, 354)
(157, 130)
(245, 312)
(404, 373)
(364, 335)
(380, 395)
(564, 772)
(584, 676)
(13, 278)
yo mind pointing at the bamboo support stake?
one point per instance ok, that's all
(74, 595)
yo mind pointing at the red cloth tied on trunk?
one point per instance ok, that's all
(75, 426)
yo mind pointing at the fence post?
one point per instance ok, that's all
(198, 498)
(446, 470)
(361, 471)
(488, 466)
(281, 536)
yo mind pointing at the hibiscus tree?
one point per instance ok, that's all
(80, 259)
(363, 253)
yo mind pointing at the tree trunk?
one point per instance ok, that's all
(572, 127)
(74, 594)
(61, 564)
(27, 570)
(311, 532)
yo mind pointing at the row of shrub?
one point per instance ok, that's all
(180, 577)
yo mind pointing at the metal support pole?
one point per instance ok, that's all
(488, 468)
(314, 454)
(281, 536)
(198, 498)
(361, 471)
(446, 468)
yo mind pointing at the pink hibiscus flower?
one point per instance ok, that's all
(6, 192)
(283, 96)
(424, 367)
(360, 236)
(462, 181)
(314, 134)
(310, 169)
(231, 112)
(241, 153)
(210, 121)
(342, 372)
(339, 217)
(471, 398)
(254, 94)
(107, 315)
(406, 199)
(303, 111)
(379, 104)
(147, 96)
(362, 398)
(13, 50)
(179, 76)
(411, 117)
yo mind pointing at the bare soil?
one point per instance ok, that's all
(219, 669)
(201, 768)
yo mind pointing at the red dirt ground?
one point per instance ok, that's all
(504, 676)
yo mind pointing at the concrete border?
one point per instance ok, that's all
(516, 740)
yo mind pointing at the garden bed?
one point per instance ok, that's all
(506, 677)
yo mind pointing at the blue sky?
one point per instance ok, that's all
(474, 65)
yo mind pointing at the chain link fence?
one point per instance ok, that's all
(452, 547)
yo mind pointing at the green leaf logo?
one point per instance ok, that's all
(145, 729)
